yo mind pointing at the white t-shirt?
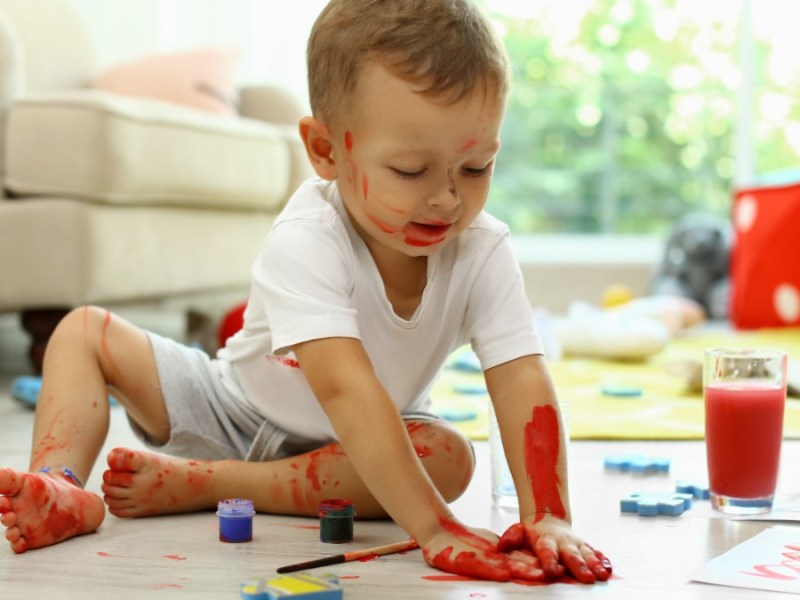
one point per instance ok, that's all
(315, 278)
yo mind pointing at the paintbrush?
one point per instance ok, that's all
(350, 556)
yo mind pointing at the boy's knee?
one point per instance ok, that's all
(446, 454)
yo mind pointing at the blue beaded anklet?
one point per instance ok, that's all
(67, 473)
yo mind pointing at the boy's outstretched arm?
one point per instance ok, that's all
(530, 425)
(376, 442)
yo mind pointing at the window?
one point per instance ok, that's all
(627, 114)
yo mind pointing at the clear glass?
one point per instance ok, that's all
(745, 397)
(504, 494)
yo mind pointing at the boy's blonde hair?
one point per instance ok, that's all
(447, 47)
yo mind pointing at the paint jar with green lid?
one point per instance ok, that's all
(336, 517)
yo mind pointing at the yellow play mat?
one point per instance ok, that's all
(662, 405)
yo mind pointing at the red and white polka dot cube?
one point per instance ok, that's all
(765, 263)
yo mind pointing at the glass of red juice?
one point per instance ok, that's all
(745, 395)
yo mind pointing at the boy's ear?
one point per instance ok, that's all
(318, 141)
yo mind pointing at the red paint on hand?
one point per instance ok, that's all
(467, 563)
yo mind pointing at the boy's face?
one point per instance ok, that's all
(413, 172)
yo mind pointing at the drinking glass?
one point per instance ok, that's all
(745, 395)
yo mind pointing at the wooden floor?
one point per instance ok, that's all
(181, 556)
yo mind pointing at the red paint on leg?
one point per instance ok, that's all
(542, 443)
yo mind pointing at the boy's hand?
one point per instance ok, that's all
(558, 549)
(473, 553)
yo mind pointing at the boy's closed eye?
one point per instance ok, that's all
(478, 171)
(408, 173)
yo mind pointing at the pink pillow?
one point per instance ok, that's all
(202, 79)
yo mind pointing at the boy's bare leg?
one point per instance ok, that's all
(141, 483)
(91, 353)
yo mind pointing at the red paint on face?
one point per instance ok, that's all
(382, 225)
(425, 234)
(348, 141)
(365, 186)
(394, 209)
(541, 445)
(468, 145)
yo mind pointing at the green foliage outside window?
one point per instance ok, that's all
(629, 124)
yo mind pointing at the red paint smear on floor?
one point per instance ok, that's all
(567, 580)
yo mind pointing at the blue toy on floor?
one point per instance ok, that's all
(26, 389)
(653, 504)
(637, 463)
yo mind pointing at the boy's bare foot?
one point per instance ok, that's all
(140, 484)
(41, 509)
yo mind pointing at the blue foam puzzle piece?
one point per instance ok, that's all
(622, 391)
(470, 389)
(653, 504)
(637, 463)
(466, 361)
(699, 492)
(457, 415)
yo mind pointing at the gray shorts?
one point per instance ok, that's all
(207, 421)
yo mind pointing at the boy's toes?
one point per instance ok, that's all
(19, 546)
(8, 519)
(122, 459)
(10, 481)
(118, 478)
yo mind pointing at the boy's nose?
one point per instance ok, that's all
(446, 196)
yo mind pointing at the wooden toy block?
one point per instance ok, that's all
(298, 586)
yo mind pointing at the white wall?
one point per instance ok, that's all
(271, 35)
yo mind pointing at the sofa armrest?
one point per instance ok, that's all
(270, 103)
(275, 105)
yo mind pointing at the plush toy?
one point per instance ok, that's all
(231, 323)
(696, 263)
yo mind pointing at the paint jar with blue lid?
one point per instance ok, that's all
(235, 520)
(336, 519)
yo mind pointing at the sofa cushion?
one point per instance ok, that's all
(67, 252)
(200, 78)
(108, 148)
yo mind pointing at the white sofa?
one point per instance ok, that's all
(116, 200)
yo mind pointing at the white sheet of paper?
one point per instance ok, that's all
(767, 561)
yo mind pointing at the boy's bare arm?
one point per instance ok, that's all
(521, 390)
(372, 433)
(533, 437)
